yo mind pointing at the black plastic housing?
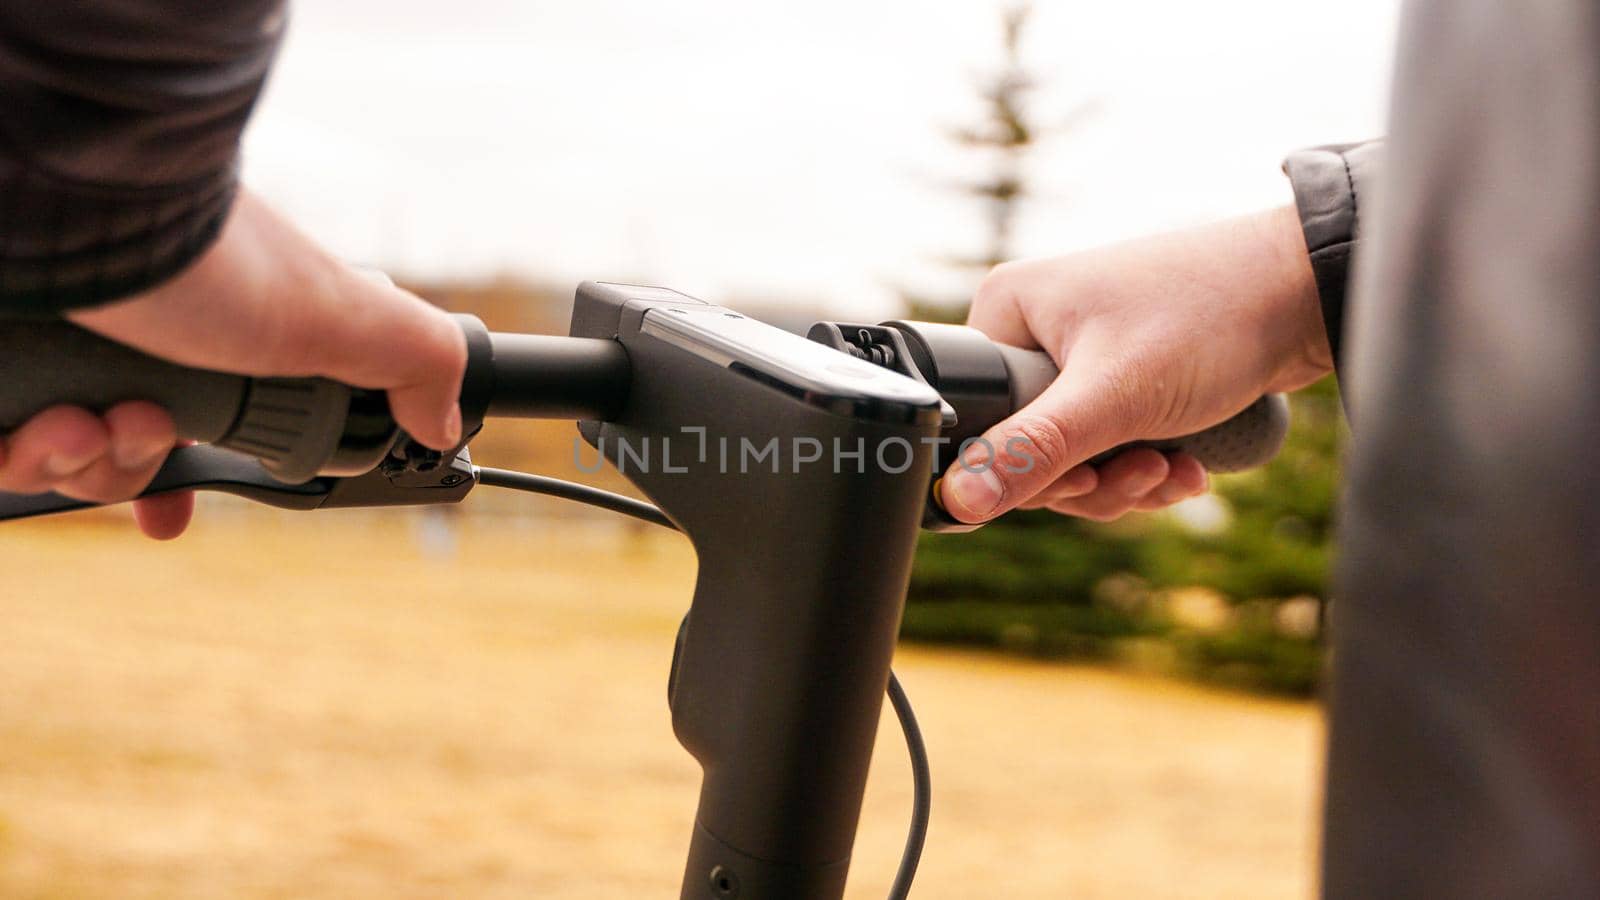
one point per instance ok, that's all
(780, 674)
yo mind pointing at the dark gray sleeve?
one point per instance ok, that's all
(1330, 186)
(119, 137)
(1464, 736)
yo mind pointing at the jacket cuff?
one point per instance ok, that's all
(1331, 185)
(67, 245)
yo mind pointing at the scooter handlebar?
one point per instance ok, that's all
(299, 428)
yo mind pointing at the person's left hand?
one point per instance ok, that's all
(263, 300)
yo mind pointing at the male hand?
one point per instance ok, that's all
(263, 300)
(1156, 338)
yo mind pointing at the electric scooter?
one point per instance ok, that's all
(800, 468)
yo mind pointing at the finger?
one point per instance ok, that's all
(1186, 478)
(54, 445)
(1133, 473)
(1078, 481)
(995, 310)
(1076, 417)
(1124, 481)
(140, 436)
(164, 517)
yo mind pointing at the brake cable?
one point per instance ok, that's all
(922, 783)
(571, 490)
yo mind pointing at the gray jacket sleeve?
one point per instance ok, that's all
(119, 135)
(1331, 187)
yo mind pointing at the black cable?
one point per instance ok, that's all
(922, 791)
(922, 782)
(570, 490)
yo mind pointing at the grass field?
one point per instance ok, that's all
(313, 706)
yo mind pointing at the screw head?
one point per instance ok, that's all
(724, 883)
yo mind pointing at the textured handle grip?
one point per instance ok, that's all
(293, 425)
(1248, 439)
(1251, 438)
(51, 363)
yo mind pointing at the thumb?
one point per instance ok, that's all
(386, 337)
(427, 406)
(427, 400)
(1072, 421)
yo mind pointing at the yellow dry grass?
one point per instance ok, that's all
(309, 706)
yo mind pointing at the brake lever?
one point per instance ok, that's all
(399, 481)
(412, 475)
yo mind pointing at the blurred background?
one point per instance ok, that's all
(467, 702)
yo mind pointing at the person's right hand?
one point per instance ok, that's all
(263, 300)
(1156, 338)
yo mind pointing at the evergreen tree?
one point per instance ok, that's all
(1002, 142)
(1005, 136)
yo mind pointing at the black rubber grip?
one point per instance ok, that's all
(293, 425)
(51, 363)
(1248, 439)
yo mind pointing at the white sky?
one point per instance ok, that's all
(784, 151)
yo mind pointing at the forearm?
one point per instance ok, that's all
(119, 131)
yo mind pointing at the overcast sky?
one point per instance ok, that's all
(781, 150)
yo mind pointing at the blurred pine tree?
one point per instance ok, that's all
(1001, 141)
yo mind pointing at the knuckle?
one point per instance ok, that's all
(434, 348)
(451, 344)
(102, 484)
(1098, 506)
(58, 420)
(997, 287)
(1044, 439)
(141, 420)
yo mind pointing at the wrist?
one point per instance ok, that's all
(1295, 307)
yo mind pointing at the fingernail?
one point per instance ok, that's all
(374, 275)
(977, 492)
(137, 457)
(452, 426)
(62, 465)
